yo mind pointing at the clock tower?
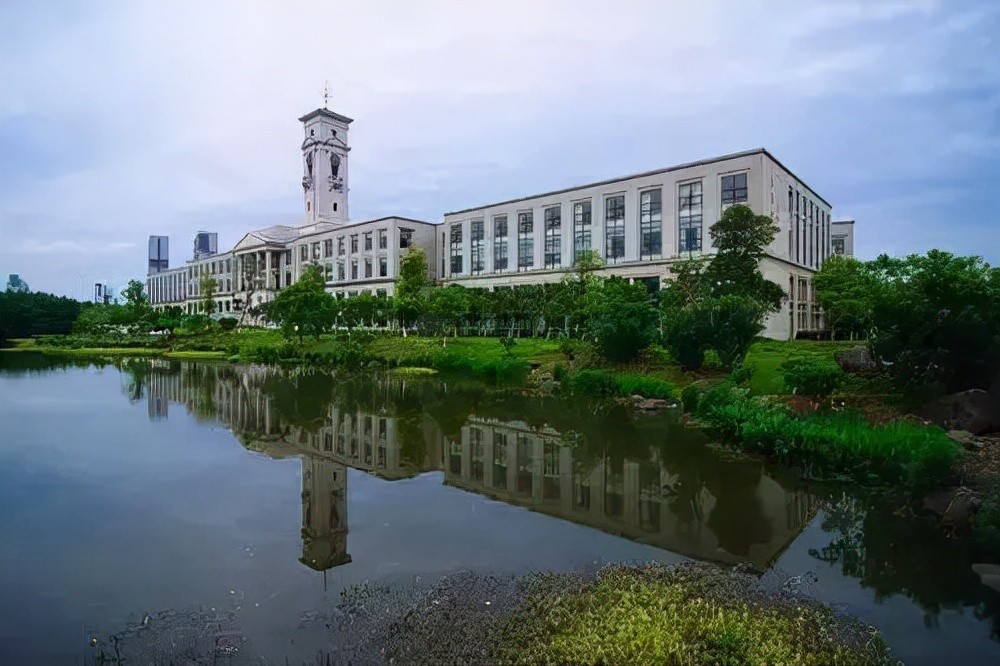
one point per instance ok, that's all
(324, 166)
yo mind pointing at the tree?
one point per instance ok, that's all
(620, 318)
(24, 313)
(304, 308)
(411, 296)
(742, 239)
(209, 286)
(731, 323)
(16, 284)
(936, 321)
(448, 306)
(846, 288)
(134, 294)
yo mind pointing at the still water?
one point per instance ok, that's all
(137, 486)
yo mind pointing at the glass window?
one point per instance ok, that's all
(456, 249)
(368, 268)
(525, 240)
(315, 250)
(383, 239)
(383, 267)
(500, 243)
(478, 247)
(304, 252)
(689, 216)
(368, 240)
(734, 188)
(553, 237)
(328, 248)
(650, 223)
(354, 269)
(354, 243)
(581, 228)
(341, 273)
(340, 246)
(614, 221)
(405, 238)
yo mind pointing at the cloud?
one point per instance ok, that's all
(119, 120)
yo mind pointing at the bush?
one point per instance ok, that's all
(689, 398)
(559, 372)
(594, 383)
(228, 323)
(812, 376)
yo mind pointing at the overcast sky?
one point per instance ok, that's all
(123, 119)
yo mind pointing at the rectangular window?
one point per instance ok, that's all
(328, 248)
(341, 273)
(368, 240)
(340, 246)
(614, 228)
(839, 245)
(368, 268)
(383, 267)
(500, 243)
(650, 223)
(689, 216)
(405, 238)
(315, 249)
(383, 239)
(304, 252)
(456, 249)
(798, 229)
(734, 189)
(581, 229)
(478, 246)
(553, 237)
(525, 240)
(354, 243)
(354, 269)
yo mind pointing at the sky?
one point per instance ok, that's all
(123, 119)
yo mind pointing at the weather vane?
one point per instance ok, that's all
(326, 95)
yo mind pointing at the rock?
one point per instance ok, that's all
(955, 506)
(966, 439)
(974, 410)
(857, 360)
(989, 574)
(550, 387)
(652, 404)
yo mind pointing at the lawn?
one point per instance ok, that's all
(766, 355)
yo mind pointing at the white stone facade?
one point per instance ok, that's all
(638, 225)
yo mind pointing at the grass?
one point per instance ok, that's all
(766, 356)
(651, 613)
(838, 442)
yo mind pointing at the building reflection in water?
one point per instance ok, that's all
(699, 504)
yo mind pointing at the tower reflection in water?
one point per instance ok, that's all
(639, 477)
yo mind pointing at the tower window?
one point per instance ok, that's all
(312, 132)
(334, 206)
(308, 206)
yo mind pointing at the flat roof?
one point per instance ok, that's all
(352, 225)
(326, 113)
(842, 222)
(686, 165)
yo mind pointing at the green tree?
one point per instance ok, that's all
(411, 289)
(620, 317)
(448, 307)
(134, 294)
(24, 313)
(742, 238)
(846, 288)
(304, 308)
(936, 320)
(16, 284)
(209, 287)
(731, 323)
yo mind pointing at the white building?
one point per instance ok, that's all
(637, 224)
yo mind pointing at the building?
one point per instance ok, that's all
(638, 225)
(159, 254)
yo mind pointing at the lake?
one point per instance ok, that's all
(133, 489)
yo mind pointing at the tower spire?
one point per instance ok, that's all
(326, 95)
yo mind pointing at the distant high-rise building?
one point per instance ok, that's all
(15, 283)
(206, 244)
(159, 256)
(102, 293)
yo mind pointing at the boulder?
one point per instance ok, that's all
(652, 404)
(857, 360)
(989, 574)
(975, 411)
(955, 506)
(966, 439)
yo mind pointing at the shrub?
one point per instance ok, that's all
(741, 375)
(594, 383)
(689, 398)
(508, 343)
(811, 376)
(559, 372)
(228, 323)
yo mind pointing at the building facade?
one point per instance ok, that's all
(638, 225)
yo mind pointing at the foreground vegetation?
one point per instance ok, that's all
(649, 614)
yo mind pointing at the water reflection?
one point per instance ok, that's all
(643, 478)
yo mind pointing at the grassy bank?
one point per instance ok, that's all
(646, 614)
